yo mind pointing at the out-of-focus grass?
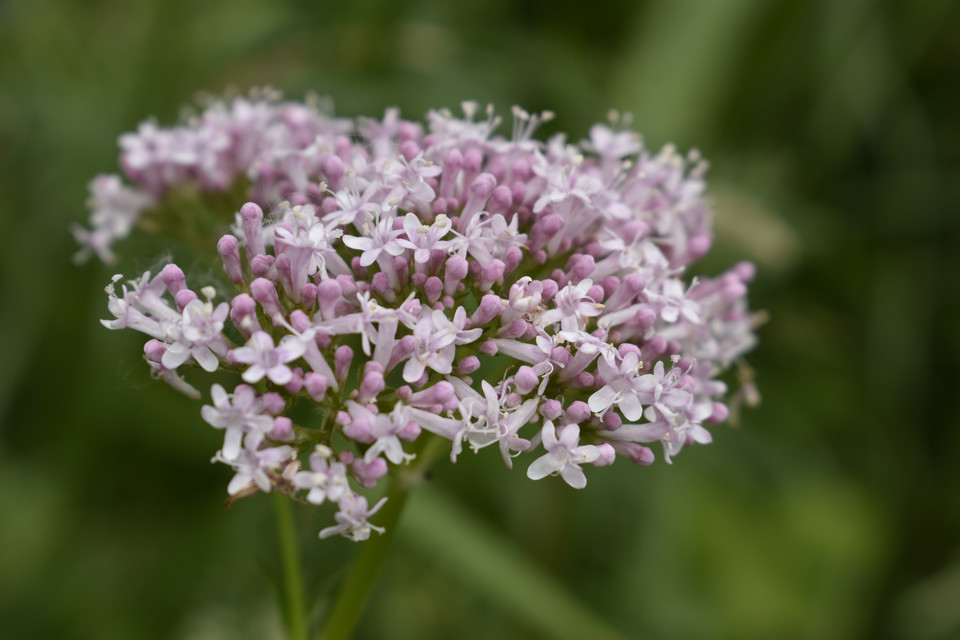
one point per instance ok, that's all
(829, 513)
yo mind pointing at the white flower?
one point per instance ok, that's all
(267, 360)
(563, 456)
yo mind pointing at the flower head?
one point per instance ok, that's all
(437, 281)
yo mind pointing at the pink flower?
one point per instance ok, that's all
(378, 238)
(563, 456)
(423, 238)
(621, 387)
(266, 360)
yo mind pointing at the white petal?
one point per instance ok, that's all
(574, 476)
(631, 407)
(253, 374)
(280, 374)
(205, 358)
(542, 467)
(231, 443)
(219, 395)
(602, 399)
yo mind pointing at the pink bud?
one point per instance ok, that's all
(273, 402)
(342, 358)
(154, 350)
(610, 284)
(252, 216)
(611, 420)
(734, 291)
(282, 429)
(367, 474)
(243, 314)
(645, 317)
(409, 432)
(473, 160)
(526, 380)
(265, 293)
(316, 385)
(551, 409)
(329, 204)
(229, 250)
(299, 320)
(512, 258)
(467, 365)
(699, 245)
(490, 307)
(173, 278)
(626, 348)
(433, 287)
(381, 284)
(360, 430)
(480, 189)
(607, 455)
(407, 130)
(515, 329)
(296, 382)
(328, 294)
(578, 412)
(500, 201)
(582, 267)
(308, 295)
(409, 150)
(654, 347)
(634, 230)
(358, 269)
(184, 297)
(348, 286)
(550, 289)
(452, 162)
(521, 170)
(260, 265)
(637, 454)
(333, 170)
(746, 271)
(582, 380)
(282, 264)
(371, 386)
(492, 271)
(720, 413)
(560, 356)
(454, 271)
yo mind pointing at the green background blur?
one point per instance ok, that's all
(830, 512)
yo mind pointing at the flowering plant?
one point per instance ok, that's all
(427, 290)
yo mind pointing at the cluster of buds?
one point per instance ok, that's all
(494, 292)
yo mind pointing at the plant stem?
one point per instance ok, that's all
(292, 591)
(366, 567)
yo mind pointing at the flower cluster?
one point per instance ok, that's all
(490, 291)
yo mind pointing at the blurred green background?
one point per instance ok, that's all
(830, 512)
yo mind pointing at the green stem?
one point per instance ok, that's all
(366, 567)
(292, 592)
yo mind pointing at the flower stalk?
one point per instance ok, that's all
(292, 586)
(353, 594)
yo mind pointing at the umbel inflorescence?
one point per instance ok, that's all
(417, 282)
